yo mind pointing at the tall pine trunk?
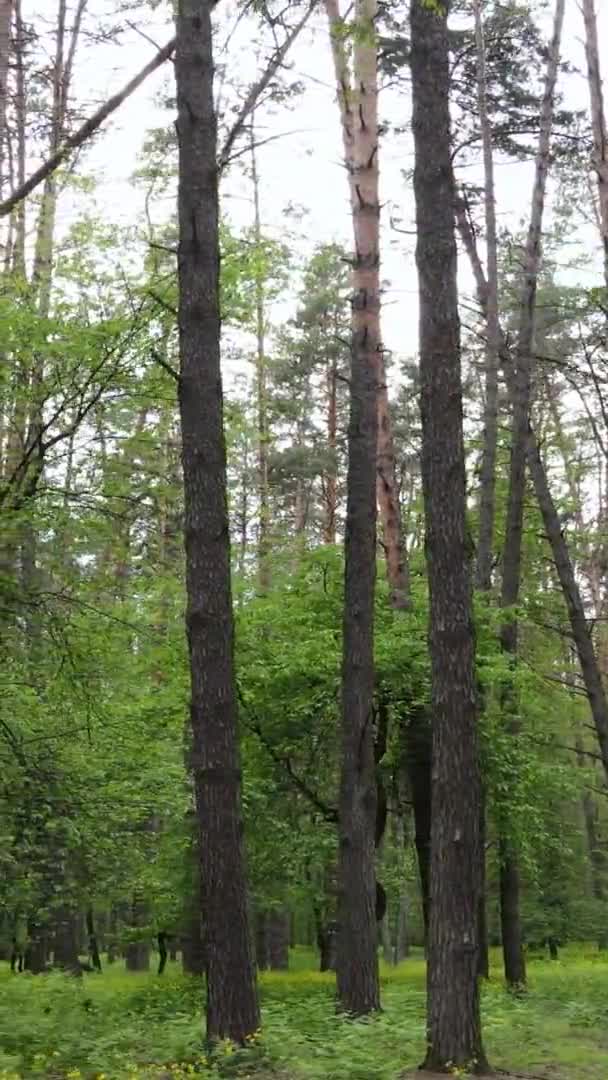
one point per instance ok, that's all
(357, 959)
(453, 1015)
(348, 87)
(232, 1004)
(513, 953)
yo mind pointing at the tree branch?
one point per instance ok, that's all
(258, 88)
(87, 129)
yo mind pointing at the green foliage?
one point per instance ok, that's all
(128, 1027)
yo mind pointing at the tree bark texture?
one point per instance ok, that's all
(453, 1014)
(348, 90)
(232, 1003)
(357, 958)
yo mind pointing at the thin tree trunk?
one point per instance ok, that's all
(261, 387)
(513, 952)
(331, 478)
(597, 854)
(598, 122)
(261, 940)
(6, 14)
(232, 1003)
(65, 948)
(453, 1014)
(137, 953)
(348, 89)
(93, 946)
(418, 765)
(357, 961)
(278, 940)
(579, 626)
(487, 479)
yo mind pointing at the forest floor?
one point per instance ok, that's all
(121, 1026)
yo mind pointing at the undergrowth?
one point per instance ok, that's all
(121, 1026)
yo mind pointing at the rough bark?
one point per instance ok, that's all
(357, 959)
(232, 1004)
(598, 123)
(387, 491)
(453, 1014)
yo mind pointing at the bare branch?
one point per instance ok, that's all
(87, 129)
(258, 88)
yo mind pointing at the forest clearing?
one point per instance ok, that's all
(303, 539)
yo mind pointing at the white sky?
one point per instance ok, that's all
(302, 168)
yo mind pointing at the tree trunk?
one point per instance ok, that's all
(598, 863)
(515, 969)
(261, 386)
(454, 1024)
(483, 956)
(402, 948)
(93, 946)
(232, 1003)
(510, 919)
(6, 14)
(385, 937)
(331, 477)
(162, 952)
(598, 123)
(261, 940)
(137, 953)
(193, 941)
(66, 943)
(348, 90)
(278, 940)
(357, 960)
(579, 626)
(418, 765)
(487, 478)
(36, 951)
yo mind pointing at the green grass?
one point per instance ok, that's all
(123, 1026)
